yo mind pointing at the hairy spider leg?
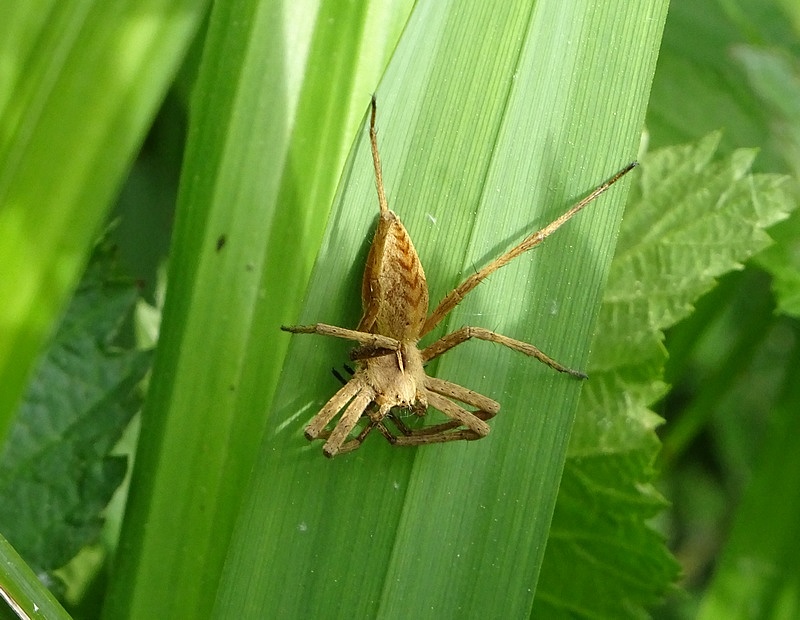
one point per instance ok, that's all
(453, 339)
(452, 299)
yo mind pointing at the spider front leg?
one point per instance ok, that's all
(365, 352)
(315, 429)
(373, 341)
(352, 414)
(459, 336)
(356, 442)
(452, 299)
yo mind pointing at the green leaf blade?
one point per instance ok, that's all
(416, 533)
(266, 146)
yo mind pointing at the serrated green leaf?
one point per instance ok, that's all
(718, 239)
(689, 220)
(782, 261)
(602, 561)
(775, 78)
(56, 474)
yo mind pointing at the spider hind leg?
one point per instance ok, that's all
(441, 393)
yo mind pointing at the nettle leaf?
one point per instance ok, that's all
(689, 220)
(775, 78)
(782, 262)
(56, 471)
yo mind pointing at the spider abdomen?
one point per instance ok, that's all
(394, 291)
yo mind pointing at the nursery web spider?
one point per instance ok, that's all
(390, 370)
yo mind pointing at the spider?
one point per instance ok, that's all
(390, 371)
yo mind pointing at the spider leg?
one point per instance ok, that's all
(348, 421)
(376, 421)
(375, 341)
(348, 369)
(419, 438)
(454, 339)
(485, 405)
(452, 299)
(349, 446)
(438, 433)
(316, 427)
(389, 435)
(457, 413)
(354, 443)
(338, 376)
(366, 351)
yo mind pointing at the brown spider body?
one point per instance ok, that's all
(394, 292)
(390, 370)
(394, 296)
